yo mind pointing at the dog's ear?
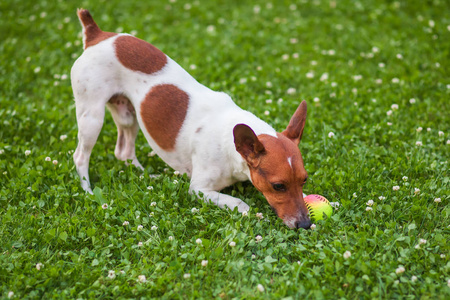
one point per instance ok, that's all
(294, 130)
(248, 144)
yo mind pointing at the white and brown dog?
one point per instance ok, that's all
(195, 130)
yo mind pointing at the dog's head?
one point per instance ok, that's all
(276, 167)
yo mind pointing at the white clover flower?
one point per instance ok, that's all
(400, 270)
(266, 112)
(448, 142)
(142, 278)
(419, 129)
(291, 91)
(126, 223)
(285, 56)
(414, 278)
(382, 198)
(187, 276)
(399, 56)
(395, 188)
(245, 213)
(313, 63)
(194, 210)
(394, 106)
(437, 200)
(422, 241)
(151, 214)
(140, 244)
(347, 254)
(448, 283)
(405, 178)
(324, 77)
(357, 77)
(295, 55)
(316, 99)
(55, 162)
(243, 80)
(368, 208)
(111, 274)
(395, 80)
(175, 181)
(369, 203)
(331, 52)
(313, 226)
(260, 287)
(198, 241)
(37, 69)
(27, 152)
(3, 151)
(48, 159)
(170, 238)
(375, 49)
(154, 228)
(140, 228)
(10, 294)
(153, 153)
(389, 123)
(335, 205)
(355, 195)
(210, 28)
(331, 134)
(269, 101)
(105, 205)
(417, 246)
(64, 77)
(389, 112)
(232, 244)
(258, 238)
(293, 40)
(204, 263)
(412, 100)
(39, 266)
(150, 188)
(442, 255)
(416, 191)
(259, 215)
(192, 67)
(253, 256)
(153, 204)
(441, 133)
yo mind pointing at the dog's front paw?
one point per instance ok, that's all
(243, 207)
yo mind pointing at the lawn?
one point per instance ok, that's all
(376, 76)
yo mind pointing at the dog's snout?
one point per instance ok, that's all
(305, 224)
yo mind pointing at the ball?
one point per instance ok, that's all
(317, 206)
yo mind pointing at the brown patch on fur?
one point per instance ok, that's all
(92, 33)
(163, 112)
(274, 168)
(138, 55)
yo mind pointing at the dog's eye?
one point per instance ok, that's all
(279, 187)
(306, 179)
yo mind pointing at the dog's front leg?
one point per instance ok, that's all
(219, 199)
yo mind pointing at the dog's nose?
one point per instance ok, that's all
(303, 224)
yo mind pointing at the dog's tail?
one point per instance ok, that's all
(92, 34)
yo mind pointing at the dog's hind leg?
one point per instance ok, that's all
(90, 121)
(124, 116)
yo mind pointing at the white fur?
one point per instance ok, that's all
(208, 156)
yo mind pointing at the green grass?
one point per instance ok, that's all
(254, 55)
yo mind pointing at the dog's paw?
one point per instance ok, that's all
(243, 207)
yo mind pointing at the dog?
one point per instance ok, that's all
(195, 130)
